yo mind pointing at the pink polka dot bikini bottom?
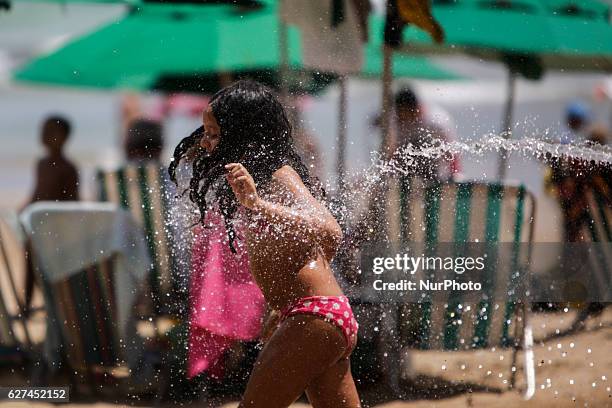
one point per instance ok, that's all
(334, 309)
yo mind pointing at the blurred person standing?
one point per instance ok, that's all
(568, 178)
(578, 121)
(420, 127)
(386, 216)
(143, 144)
(597, 179)
(57, 179)
(144, 141)
(570, 181)
(415, 128)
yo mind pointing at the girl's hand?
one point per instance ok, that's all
(242, 185)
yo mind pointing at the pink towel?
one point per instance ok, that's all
(225, 303)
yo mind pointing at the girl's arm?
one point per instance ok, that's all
(313, 221)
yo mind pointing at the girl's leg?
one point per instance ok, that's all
(301, 349)
(335, 388)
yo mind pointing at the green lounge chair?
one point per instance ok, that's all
(90, 292)
(143, 190)
(9, 345)
(11, 349)
(84, 310)
(433, 215)
(599, 230)
(491, 214)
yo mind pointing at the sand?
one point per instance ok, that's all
(571, 370)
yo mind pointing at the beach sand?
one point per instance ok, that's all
(571, 370)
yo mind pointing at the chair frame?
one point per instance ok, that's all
(9, 270)
(390, 323)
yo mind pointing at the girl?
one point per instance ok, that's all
(263, 189)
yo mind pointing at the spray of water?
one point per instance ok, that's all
(401, 162)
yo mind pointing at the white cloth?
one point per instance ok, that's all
(325, 48)
(67, 237)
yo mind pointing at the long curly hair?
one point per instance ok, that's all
(255, 132)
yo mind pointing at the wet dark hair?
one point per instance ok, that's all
(406, 98)
(255, 131)
(60, 122)
(144, 139)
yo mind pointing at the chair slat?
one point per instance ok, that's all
(7, 337)
(460, 236)
(86, 316)
(141, 189)
(460, 213)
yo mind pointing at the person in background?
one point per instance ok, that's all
(143, 144)
(421, 128)
(414, 125)
(144, 141)
(57, 179)
(415, 128)
(598, 179)
(570, 180)
(577, 119)
(567, 178)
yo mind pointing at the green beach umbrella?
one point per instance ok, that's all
(172, 48)
(559, 33)
(237, 3)
(193, 48)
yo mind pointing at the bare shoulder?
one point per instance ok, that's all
(286, 173)
(289, 178)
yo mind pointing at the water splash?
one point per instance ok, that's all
(401, 162)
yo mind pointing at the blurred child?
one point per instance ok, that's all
(144, 141)
(57, 179)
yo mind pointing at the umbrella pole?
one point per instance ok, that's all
(507, 125)
(342, 120)
(283, 44)
(387, 79)
(390, 227)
